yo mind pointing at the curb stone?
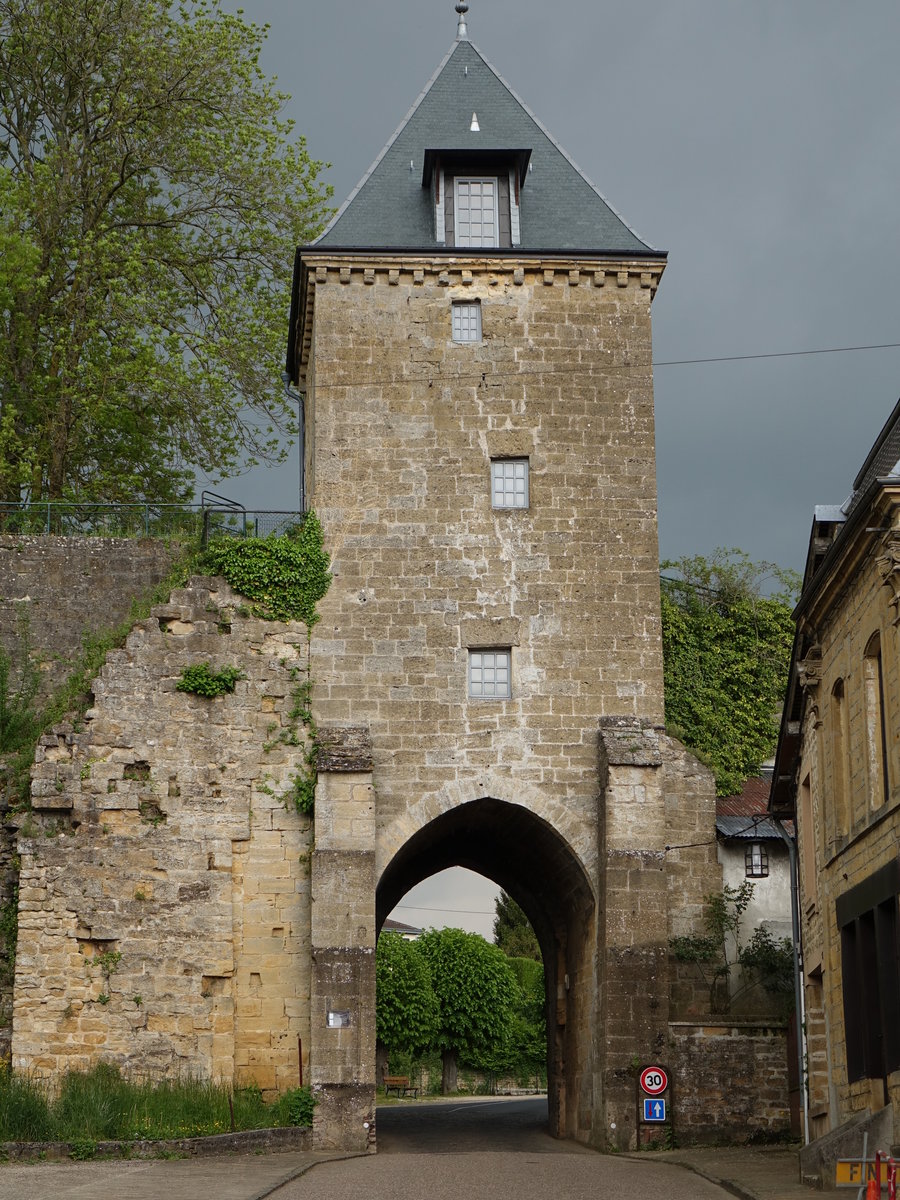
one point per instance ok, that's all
(242, 1142)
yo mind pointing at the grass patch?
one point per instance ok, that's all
(101, 1105)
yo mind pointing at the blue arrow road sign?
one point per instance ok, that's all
(654, 1110)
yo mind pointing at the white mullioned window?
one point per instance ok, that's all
(475, 208)
(509, 483)
(466, 321)
(490, 674)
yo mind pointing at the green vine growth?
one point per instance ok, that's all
(721, 951)
(284, 578)
(202, 680)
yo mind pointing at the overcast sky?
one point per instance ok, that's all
(757, 142)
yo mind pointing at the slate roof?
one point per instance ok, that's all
(560, 209)
(881, 461)
(392, 926)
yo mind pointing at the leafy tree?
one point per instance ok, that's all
(406, 1008)
(529, 1031)
(20, 721)
(726, 652)
(476, 993)
(512, 930)
(150, 199)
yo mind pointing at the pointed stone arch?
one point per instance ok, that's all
(531, 860)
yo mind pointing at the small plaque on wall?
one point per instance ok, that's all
(338, 1018)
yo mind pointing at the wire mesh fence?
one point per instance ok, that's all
(188, 522)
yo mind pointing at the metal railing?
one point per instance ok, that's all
(214, 516)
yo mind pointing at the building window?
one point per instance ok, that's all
(871, 987)
(475, 205)
(489, 674)
(876, 733)
(809, 871)
(756, 861)
(839, 781)
(867, 917)
(467, 322)
(509, 483)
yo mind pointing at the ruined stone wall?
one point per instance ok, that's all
(62, 587)
(164, 896)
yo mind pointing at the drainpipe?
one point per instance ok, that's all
(300, 399)
(799, 1004)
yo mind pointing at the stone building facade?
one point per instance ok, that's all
(838, 770)
(472, 338)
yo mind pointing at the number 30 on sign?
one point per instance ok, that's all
(654, 1080)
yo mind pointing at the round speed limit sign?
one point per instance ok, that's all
(654, 1080)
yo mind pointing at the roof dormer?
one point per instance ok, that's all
(476, 195)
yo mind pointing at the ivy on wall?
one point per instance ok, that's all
(286, 576)
(201, 680)
(726, 652)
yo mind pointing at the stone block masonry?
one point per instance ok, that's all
(62, 588)
(165, 888)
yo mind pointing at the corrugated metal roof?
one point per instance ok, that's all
(751, 829)
(560, 209)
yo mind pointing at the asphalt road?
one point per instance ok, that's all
(467, 1126)
(467, 1150)
(488, 1150)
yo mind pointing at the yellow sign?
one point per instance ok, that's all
(852, 1172)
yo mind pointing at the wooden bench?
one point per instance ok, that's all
(400, 1085)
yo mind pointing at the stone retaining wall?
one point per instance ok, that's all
(64, 587)
(730, 1081)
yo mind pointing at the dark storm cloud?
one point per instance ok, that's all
(758, 143)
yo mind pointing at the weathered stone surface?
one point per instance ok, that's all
(627, 742)
(55, 589)
(243, 939)
(165, 923)
(348, 748)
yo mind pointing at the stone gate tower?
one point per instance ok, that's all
(472, 336)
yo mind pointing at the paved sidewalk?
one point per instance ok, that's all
(750, 1172)
(229, 1177)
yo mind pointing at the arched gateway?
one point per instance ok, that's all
(547, 878)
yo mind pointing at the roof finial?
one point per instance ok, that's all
(462, 33)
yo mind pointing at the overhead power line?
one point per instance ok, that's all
(484, 373)
(685, 362)
(472, 912)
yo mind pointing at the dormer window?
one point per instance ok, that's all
(476, 195)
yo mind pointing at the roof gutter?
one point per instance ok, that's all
(854, 520)
(436, 251)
